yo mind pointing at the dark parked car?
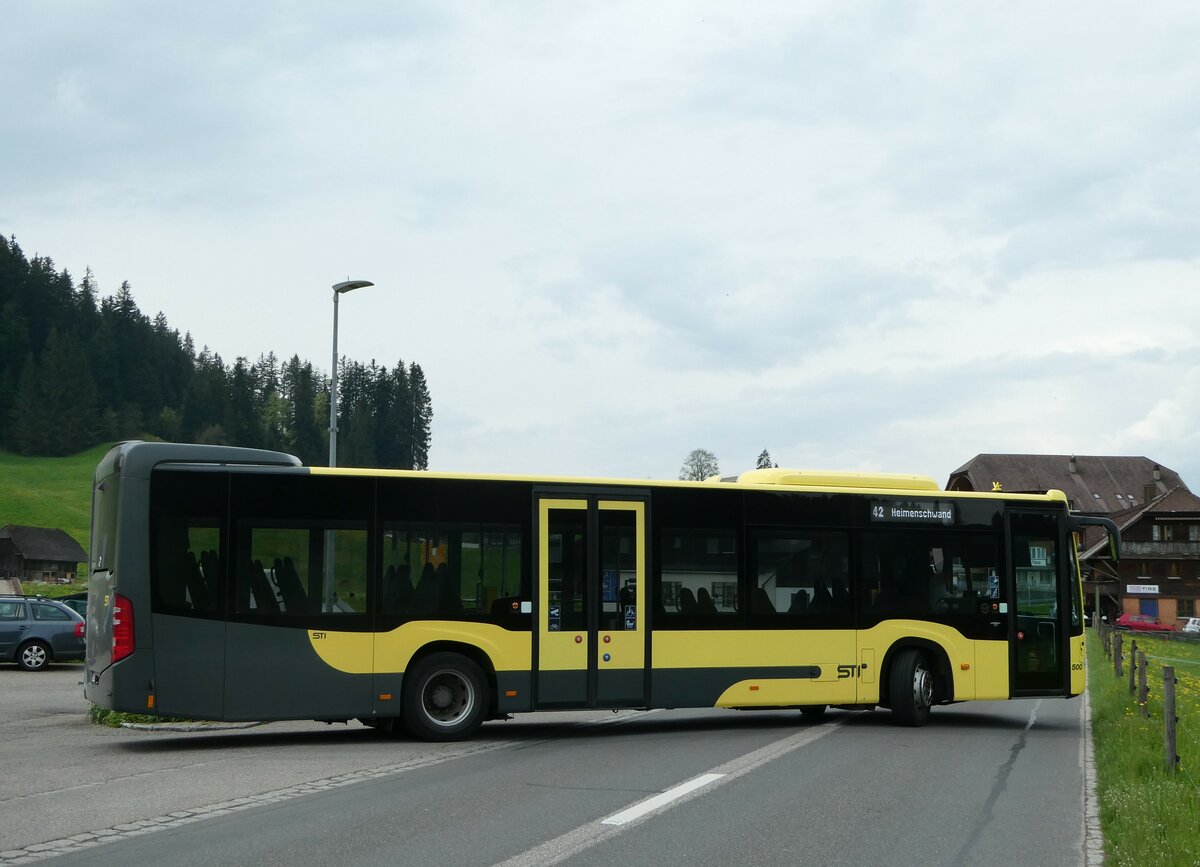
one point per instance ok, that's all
(35, 631)
(1143, 623)
(77, 602)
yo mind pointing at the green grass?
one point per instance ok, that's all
(54, 591)
(1148, 816)
(49, 492)
(115, 718)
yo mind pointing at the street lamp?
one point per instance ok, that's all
(338, 289)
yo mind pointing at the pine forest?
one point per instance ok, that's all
(77, 369)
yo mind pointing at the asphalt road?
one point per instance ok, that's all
(983, 783)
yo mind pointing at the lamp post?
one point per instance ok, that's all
(329, 600)
(338, 290)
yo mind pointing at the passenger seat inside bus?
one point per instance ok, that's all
(687, 601)
(210, 568)
(264, 597)
(295, 601)
(425, 594)
(397, 589)
(760, 602)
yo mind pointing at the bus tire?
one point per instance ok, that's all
(813, 712)
(33, 656)
(445, 698)
(910, 685)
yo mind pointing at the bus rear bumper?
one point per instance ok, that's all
(126, 686)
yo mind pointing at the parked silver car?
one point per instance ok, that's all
(35, 631)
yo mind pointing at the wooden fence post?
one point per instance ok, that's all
(1169, 719)
(1143, 692)
(1118, 640)
(1133, 656)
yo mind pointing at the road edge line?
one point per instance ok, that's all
(1093, 837)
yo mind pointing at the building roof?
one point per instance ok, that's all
(44, 543)
(1094, 484)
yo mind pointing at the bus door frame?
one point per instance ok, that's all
(1062, 622)
(591, 667)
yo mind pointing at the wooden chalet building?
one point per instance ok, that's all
(39, 554)
(1141, 496)
(1159, 572)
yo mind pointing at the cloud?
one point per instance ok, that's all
(871, 237)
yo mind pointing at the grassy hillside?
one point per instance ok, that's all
(49, 492)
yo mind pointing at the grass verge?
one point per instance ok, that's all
(53, 591)
(1148, 816)
(116, 718)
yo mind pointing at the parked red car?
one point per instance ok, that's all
(1143, 623)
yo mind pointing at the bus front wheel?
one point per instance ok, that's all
(911, 688)
(445, 698)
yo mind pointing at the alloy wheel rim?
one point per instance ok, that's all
(34, 656)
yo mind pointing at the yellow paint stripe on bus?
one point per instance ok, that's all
(350, 652)
(778, 692)
(738, 648)
(390, 652)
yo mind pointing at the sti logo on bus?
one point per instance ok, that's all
(912, 512)
(845, 671)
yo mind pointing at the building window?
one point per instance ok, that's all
(1186, 608)
(1194, 532)
(1163, 532)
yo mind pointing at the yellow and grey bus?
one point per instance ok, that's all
(237, 584)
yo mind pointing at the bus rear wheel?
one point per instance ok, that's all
(910, 684)
(445, 698)
(813, 712)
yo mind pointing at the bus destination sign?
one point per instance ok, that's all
(912, 512)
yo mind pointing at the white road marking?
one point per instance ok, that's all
(137, 827)
(591, 833)
(661, 800)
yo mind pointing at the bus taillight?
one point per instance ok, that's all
(122, 627)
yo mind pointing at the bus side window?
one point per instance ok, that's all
(186, 538)
(802, 578)
(186, 570)
(462, 572)
(944, 576)
(293, 570)
(698, 580)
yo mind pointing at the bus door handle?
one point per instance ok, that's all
(997, 623)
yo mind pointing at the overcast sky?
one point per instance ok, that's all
(875, 236)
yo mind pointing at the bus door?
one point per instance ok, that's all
(1039, 658)
(591, 633)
